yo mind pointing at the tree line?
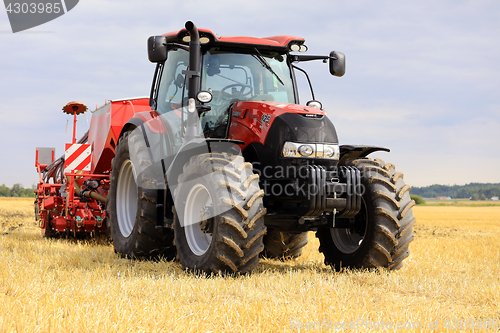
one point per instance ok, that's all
(476, 191)
(17, 190)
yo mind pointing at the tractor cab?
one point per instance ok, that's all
(227, 70)
(227, 77)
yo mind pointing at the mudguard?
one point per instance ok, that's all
(358, 151)
(195, 147)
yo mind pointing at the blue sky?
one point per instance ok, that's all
(423, 77)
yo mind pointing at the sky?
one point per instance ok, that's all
(422, 77)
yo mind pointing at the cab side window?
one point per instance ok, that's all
(171, 89)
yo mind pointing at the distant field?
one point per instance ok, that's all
(451, 278)
(462, 202)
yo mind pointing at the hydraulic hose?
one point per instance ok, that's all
(87, 193)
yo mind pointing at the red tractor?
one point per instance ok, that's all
(222, 165)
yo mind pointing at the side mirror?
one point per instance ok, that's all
(157, 48)
(337, 63)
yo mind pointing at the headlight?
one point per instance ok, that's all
(298, 47)
(311, 150)
(315, 104)
(328, 152)
(204, 96)
(290, 149)
(306, 150)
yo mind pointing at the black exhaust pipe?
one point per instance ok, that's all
(194, 60)
(193, 77)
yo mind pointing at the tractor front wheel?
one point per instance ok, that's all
(381, 232)
(218, 215)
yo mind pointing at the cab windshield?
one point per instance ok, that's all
(249, 76)
(252, 76)
(231, 75)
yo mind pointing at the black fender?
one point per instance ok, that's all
(161, 150)
(158, 133)
(130, 125)
(358, 151)
(194, 147)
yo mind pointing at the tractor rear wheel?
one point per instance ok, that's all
(382, 231)
(218, 215)
(132, 209)
(284, 245)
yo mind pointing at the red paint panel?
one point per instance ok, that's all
(106, 126)
(278, 41)
(49, 203)
(254, 119)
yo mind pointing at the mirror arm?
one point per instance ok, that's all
(308, 80)
(175, 46)
(300, 57)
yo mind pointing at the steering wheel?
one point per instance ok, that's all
(244, 91)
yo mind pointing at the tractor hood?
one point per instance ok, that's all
(264, 127)
(274, 123)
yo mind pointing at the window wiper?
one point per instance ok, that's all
(264, 63)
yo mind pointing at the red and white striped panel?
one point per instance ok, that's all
(77, 157)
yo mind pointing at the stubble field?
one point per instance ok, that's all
(451, 281)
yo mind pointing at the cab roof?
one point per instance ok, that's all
(207, 37)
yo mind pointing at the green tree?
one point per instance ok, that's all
(418, 199)
(4, 191)
(17, 190)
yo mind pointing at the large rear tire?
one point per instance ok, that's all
(284, 245)
(382, 230)
(218, 215)
(132, 209)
